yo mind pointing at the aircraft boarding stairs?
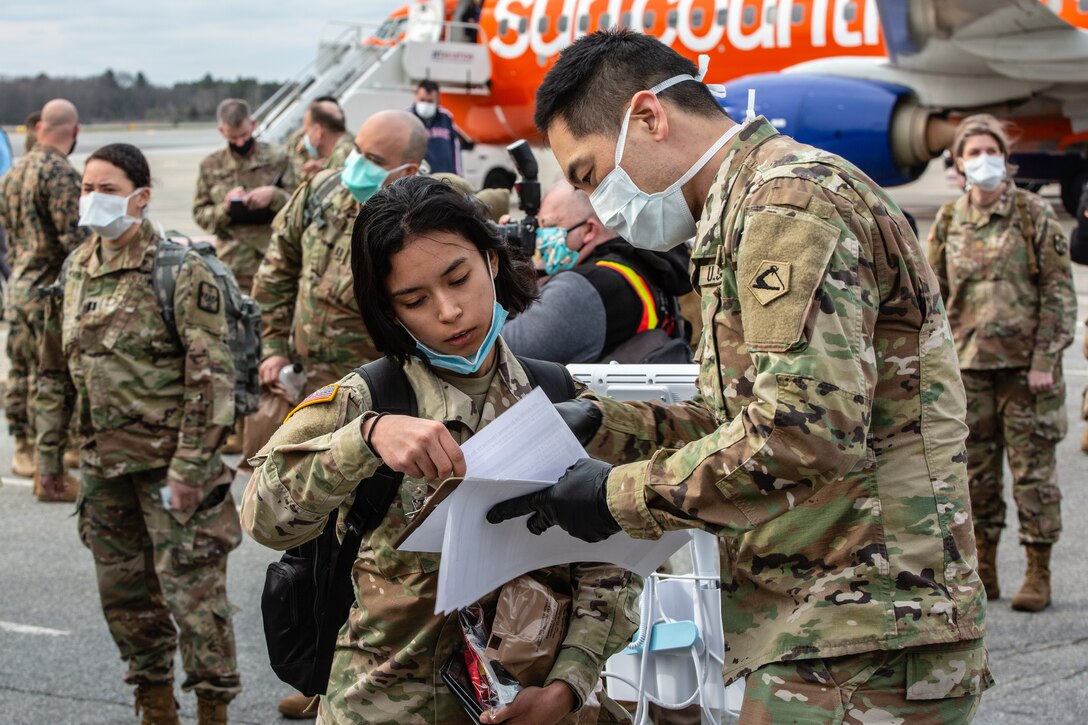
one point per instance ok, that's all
(370, 68)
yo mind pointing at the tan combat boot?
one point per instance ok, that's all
(1084, 441)
(298, 707)
(987, 566)
(71, 458)
(157, 704)
(1034, 594)
(210, 711)
(22, 464)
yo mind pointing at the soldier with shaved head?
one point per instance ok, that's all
(39, 209)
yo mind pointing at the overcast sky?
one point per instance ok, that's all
(172, 40)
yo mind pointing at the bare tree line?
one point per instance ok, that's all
(125, 97)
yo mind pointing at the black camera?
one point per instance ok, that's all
(521, 234)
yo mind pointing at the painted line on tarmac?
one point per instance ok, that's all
(17, 481)
(31, 629)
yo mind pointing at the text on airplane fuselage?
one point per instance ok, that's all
(748, 24)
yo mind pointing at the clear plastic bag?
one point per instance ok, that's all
(494, 686)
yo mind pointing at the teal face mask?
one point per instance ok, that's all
(363, 177)
(464, 365)
(309, 146)
(551, 242)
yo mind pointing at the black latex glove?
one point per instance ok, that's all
(577, 503)
(583, 417)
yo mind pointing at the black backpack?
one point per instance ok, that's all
(309, 592)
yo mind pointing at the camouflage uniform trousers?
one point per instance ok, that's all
(931, 685)
(24, 336)
(1003, 413)
(154, 571)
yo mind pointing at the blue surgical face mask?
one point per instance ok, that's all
(363, 177)
(309, 146)
(556, 256)
(464, 365)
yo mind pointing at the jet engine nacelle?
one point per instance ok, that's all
(879, 127)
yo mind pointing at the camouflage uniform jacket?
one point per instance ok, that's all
(1010, 305)
(298, 157)
(146, 401)
(241, 246)
(390, 650)
(304, 286)
(39, 210)
(826, 444)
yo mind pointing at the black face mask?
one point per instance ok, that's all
(243, 149)
(73, 149)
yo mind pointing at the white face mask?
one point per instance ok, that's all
(106, 214)
(426, 109)
(985, 171)
(658, 221)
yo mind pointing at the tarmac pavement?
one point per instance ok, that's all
(59, 665)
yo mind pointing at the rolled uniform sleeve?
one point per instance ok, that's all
(276, 284)
(1057, 297)
(208, 401)
(604, 616)
(812, 365)
(302, 475)
(55, 395)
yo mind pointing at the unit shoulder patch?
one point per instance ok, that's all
(1061, 245)
(322, 395)
(207, 297)
(771, 281)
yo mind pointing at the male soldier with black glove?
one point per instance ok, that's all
(826, 445)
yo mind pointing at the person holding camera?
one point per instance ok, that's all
(625, 299)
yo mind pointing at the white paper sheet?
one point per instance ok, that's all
(527, 442)
(478, 557)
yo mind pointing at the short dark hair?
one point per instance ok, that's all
(328, 99)
(428, 85)
(413, 206)
(129, 159)
(320, 115)
(593, 80)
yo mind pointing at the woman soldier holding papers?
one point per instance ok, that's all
(435, 283)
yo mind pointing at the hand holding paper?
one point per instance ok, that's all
(577, 504)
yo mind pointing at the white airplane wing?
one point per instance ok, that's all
(968, 54)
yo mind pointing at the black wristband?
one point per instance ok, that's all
(370, 433)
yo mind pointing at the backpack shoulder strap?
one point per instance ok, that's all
(169, 256)
(391, 393)
(552, 377)
(323, 185)
(1027, 227)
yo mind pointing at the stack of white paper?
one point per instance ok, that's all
(527, 448)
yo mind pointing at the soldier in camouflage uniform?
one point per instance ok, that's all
(826, 444)
(247, 170)
(156, 509)
(39, 209)
(1003, 264)
(304, 285)
(385, 669)
(322, 142)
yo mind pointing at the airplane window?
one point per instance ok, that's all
(523, 26)
(504, 25)
(542, 24)
(749, 15)
(850, 12)
(648, 19)
(697, 18)
(606, 21)
(671, 18)
(625, 20)
(1082, 5)
(723, 14)
(564, 23)
(798, 14)
(583, 23)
